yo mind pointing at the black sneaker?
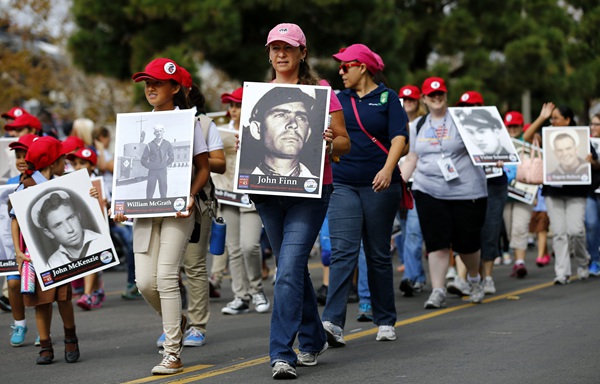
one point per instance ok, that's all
(353, 295)
(322, 294)
(407, 287)
(236, 307)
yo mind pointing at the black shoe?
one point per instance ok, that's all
(407, 287)
(46, 353)
(212, 291)
(322, 294)
(73, 356)
(5, 304)
(353, 295)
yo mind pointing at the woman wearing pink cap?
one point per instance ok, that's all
(159, 243)
(292, 224)
(367, 189)
(450, 192)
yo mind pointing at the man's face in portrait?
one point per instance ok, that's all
(487, 139)
(64, 226)
(566, 152)
(286, 129)
(158, 132)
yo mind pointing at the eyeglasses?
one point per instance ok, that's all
(344, 67)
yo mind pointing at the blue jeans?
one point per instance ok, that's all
(325, 243)
(357, 213)
(592, 226)
(292, 225)
(401, 238)
(364, 294)
(413, 248)
(490, 232)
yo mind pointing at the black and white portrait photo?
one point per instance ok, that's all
(484, 134)
(153, 161)
(565, 150)
(281, 145)
(64, 229)
(7, 160)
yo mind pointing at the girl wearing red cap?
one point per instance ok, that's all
(159, 243)
(292, 224)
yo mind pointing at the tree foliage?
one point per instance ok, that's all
(500, 48)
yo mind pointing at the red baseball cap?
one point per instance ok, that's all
(409, 92)
(44, 151)
(433, 84)
(233, 97)
(470, 98)
(186, 78)
(24, 142)
(26, 120)
(160, 69)
(513, 118)
(362, 54)
(85, 154)
(14, 113)
(72, 143)
(288, 33)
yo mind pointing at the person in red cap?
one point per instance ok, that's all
(15, 296)
(377, 126)
(243, 231)
(411, 98)
(45, 158)
(450, 194)
(13, 113)
(23, 125)
(293, 225)
(159, 243)
(470, 99)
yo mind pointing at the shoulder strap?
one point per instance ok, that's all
(373, 139)
(421, 122)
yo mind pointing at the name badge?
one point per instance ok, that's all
(448, 169)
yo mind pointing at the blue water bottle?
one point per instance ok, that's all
(217, 236)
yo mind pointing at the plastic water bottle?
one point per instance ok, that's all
(217, 236)
(27, 277)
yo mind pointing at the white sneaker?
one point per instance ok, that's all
(451, 274)
(169, 365)
(458, 287)
(310, 359)
(261, 303)
(335, 334)
(488, 286)
(282, 370)
(583, 272)
(477, 294)
(236, 307)
(436, 300)
(498, 260)
(506, 258)
(386, 333)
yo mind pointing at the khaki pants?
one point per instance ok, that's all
(157, 274)
(517, 215)
(194, 266)
(243, 246)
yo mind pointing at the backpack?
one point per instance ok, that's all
(421, 122)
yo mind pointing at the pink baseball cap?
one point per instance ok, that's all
(24, 121)
(409, 92)
(233, 97)
(433, 84)
(288, 33)
(362, 54)
(160, 69)
(513, 118)
(85, 154)
(470, 98)
(14, 112)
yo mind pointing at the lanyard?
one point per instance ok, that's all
(439, 139)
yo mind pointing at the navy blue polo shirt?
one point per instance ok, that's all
(384, 118)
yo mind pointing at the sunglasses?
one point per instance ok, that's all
(344, 67)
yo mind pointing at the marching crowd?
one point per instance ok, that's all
(377, 144)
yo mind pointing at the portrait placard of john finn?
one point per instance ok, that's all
(281, 150)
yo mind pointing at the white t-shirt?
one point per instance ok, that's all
(441, 136)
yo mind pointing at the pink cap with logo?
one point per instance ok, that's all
(288, 33)
(362, 54)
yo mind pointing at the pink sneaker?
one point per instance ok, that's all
(543, 261)
(96, 300)
(85, 302)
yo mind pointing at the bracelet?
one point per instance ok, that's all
(331, 148)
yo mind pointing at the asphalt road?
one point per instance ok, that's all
(529, 332)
